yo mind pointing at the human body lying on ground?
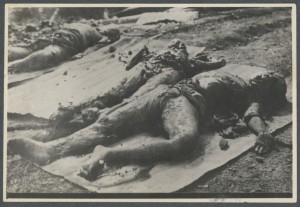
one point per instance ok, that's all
(167, 66)
(180, 109)
(65, 43)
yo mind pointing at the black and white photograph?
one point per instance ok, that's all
(150, 101)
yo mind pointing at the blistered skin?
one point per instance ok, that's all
(184, 105)
(168, 66)
(154, 103)
(178, 109)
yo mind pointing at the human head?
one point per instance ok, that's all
(67, 38)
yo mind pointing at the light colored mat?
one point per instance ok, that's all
(168, 176)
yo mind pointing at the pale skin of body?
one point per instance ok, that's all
(45, 53)
(180, 120)
(159, 150)
(179, 117)
(135, 88)
(129, 89)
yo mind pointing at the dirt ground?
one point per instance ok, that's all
(258, 37)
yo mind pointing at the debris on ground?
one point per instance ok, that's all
(240, 35)
(223, 143)
(136, 58)
(259, 159)
(174, 15)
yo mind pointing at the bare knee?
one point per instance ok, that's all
(184, 143)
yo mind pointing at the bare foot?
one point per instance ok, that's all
(34, 151)
(95, 165)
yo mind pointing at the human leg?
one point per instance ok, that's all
(180, 121)
(16, 53)
(39, 59)
(167, 76)
(19, 52)
(70, 119)
(111, 126)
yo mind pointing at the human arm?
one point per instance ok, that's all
(253, 119)
(201, 63)
(109, 36)
(180, 121)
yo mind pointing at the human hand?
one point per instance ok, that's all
(77, 56)
(264, 143)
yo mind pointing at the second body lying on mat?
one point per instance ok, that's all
(180, 109)
(167, 66)
(65, 43)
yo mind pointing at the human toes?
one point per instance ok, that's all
(92, 169)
